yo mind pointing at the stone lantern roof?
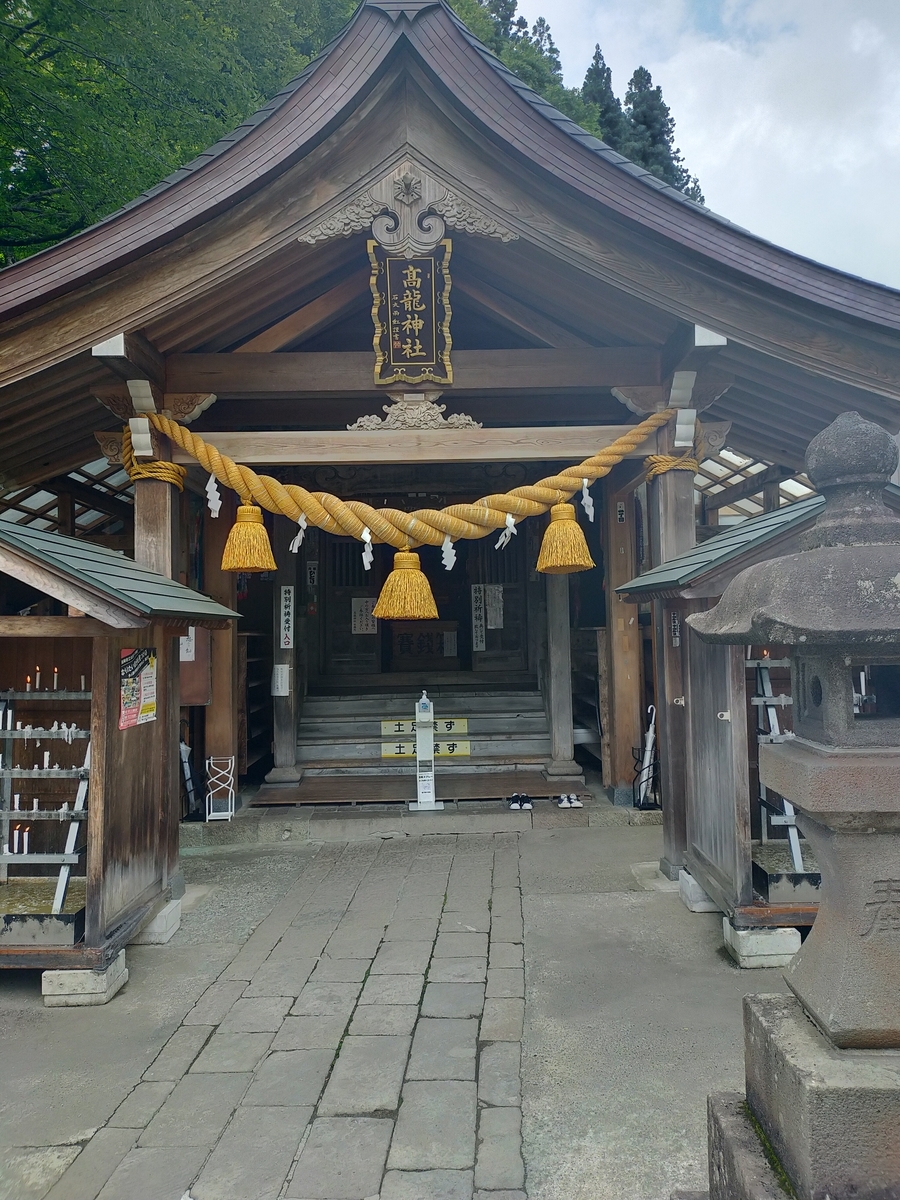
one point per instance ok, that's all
(843, 589)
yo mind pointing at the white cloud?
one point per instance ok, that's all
(787, 110)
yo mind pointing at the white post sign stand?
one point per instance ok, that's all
(425, 791)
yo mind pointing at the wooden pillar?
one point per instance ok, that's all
(562, 763)
(672, 526)
(220, 735)
(625, 664)
(285, 709)
(157, 525)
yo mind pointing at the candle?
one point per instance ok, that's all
(18, 724)
(15, 849)
(82, 683)
(9, 717)
(34, 804)
(37, 679)
(16, 802)
(65, 807)
(25, 832)
(55, 678)
(27, 683)
(46, 760)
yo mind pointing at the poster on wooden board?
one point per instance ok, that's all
(137, 679)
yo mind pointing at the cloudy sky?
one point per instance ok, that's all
(788, 110)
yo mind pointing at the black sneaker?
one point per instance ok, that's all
(515, 801)
(526, 803)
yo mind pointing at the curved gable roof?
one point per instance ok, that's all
(332, 85)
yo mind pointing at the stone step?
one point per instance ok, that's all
(353, 750)
(458, 704)
(364, 728)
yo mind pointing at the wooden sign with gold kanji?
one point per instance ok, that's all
(411, 314)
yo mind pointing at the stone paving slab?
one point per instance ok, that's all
(213, 1005)
(506, 954)
(453, 1000)
(461, 945)
(341, 970)
(327, 1171)
(502, 1020)
(326, 1000)
(253, 1157)
(197, 1110)
(506, 983)
(353, 941)
(443, 1049)
(262, 1014)
(93, 1166)
(412, 929)
(141, 1105)
(290, 1078)
(457, 970)
(367, 1076)
(427, 1185)
(402, 958)
(435, 1127)
(232, 1052)
(283, 976)
(178, 1053)
(384, 1019)
(310, 1033)
(466, 921)
(499, 1068)
(499, 1163)
(393, 989)
(154, 1174)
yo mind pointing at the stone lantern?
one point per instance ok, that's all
(826, 1095)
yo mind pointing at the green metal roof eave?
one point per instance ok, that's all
(112, 574)
(733, 541)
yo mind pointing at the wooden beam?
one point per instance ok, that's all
(572, 443)
(91, 498)
(518, 316)
(54, 627)
(292, 374)
(351, 293)
(751, 486)
(132, 356)
(75, 594)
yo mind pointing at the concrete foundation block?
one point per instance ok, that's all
(760, 947)
(692, 894)
(73, 989)
(161, 928)
(832, 1116)
(738, 1167)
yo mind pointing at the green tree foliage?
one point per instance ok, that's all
(649, 137)
(99, 101)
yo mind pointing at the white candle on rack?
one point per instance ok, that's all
(15, 848)
(16, 802)
(37, 679)
(8, 717)
(46, 760)
(25, 832)
(55, 678)
(82, 683)
(27, 683)
(65, 807)
(34, 804)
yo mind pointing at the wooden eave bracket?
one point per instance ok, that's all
(692, 382)
(136, 361)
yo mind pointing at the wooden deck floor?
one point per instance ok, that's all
(387, 789)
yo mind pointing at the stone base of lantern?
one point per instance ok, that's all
(760, 947)
(74, 989)
(823, 1120)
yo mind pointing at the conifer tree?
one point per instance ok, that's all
(650, 135)
(597, 89)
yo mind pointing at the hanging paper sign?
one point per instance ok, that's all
(493, 605)
(312, 575)
(187, 646)
(478, 617)
(286, 619)
(411, 312)
(281, 680)
(362, 616)
(137, 675)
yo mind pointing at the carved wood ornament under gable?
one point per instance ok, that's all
(408, 212)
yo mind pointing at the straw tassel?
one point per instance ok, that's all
(247, 548)
(564, 549)
(406, 595)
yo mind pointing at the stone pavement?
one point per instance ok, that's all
(345, 1021)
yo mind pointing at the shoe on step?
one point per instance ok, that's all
(515, 801)
(563, 802)
(526, 803)
(574, 802)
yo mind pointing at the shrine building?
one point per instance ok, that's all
(409, 285)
